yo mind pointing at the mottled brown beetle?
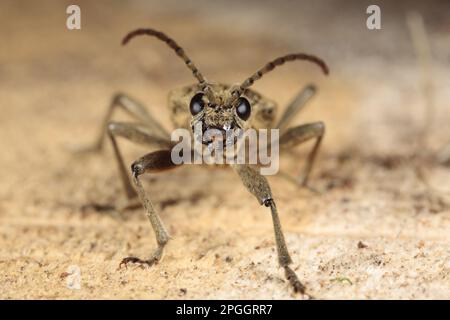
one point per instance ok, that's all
(216, 106)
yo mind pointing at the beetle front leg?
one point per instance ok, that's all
(259, 187)
(153, 162)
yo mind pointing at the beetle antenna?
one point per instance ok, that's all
(278, 62)
(172, 44)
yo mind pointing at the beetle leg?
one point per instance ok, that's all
(135, 133)
(133, 108)
(151, 163)
(444, 156)
(294, 107)
(297, 135)
(259, 187)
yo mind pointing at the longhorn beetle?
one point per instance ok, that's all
(221, 106)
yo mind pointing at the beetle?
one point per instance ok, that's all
(214, 105)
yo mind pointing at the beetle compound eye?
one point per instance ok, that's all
(197, 104)
(243, 108)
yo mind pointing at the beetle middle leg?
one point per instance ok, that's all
(297, 135)
(295, 106)
(136, 133)
(259, 187)
(148, 131)
(444, 156)
(132, 107)
(151, 163)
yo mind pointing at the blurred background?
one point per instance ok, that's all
(382, 168)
